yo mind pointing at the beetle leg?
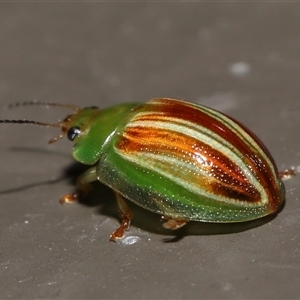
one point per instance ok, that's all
(125, 215)
(287, 174)
(83, 185)
(173, 224)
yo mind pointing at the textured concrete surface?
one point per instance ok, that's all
(241, 58)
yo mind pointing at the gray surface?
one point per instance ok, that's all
(107, 53)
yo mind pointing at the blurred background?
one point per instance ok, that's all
(240, 58)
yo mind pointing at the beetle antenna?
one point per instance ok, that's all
(31, 122)
(28, 103)
(75, 108)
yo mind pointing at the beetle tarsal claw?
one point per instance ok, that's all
(69, 198)
(287, 174)
(119, 233)
(173, 224)
(125, 215)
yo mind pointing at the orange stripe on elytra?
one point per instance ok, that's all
(223, 177)
(176, 109)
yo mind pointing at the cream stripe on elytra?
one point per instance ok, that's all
(229, 123)
(199, 134)
(245, 137)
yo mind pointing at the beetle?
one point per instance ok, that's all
(181, 160)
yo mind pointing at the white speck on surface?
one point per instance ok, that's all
(130, 240)
(226, 286)
(25, 279)
(239, 68)
(82, 237)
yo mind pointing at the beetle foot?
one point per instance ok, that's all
(70, 198)
(119, 233)
(287, 174)
(173, 224)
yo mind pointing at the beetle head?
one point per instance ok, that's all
(69, 126)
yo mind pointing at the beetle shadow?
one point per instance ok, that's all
(34, 184)
(33, 150)
(151, 222)
(103, 198)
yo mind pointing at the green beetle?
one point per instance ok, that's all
(178, 159)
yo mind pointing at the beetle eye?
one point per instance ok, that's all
(73, 132)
